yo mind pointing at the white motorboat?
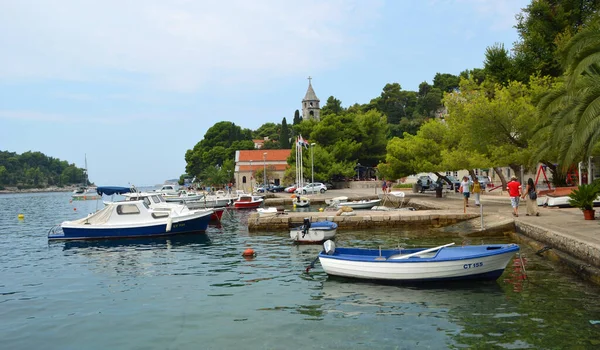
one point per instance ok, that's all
(134, 218)
(313, 232)
(184, 196)
(361, 204)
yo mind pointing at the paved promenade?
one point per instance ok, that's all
(573, 240)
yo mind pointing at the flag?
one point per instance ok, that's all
(302, 142)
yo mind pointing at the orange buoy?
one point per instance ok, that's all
(75, 209)
(249, 253)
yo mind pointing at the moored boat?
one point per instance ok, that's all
(313, 232)
(248, 202)
(85, 193)
(301, 201)
(132, 219)
(361, 204)
(420, 264)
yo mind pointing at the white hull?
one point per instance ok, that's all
(363, 204)
(312, 236)
(401, 270)
(301, 202)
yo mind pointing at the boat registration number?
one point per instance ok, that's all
(473, 265)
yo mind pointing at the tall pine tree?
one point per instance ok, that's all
(284, 135)
(297, 119)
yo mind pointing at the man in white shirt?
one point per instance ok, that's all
(465, 189)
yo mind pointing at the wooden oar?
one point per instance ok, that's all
(424, 251)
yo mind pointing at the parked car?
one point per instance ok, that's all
(455, 183)
(291, 189)
(426, 183)
(329, 185)
(314, 187)
(483, 181)
(276, 188)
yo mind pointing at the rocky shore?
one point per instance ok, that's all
(9, 190)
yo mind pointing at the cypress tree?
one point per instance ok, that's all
(284, 136)
(297, 119)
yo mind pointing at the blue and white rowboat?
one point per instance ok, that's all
(413, 265)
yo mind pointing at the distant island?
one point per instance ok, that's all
(35, 172)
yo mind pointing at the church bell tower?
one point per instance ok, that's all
(310, 104)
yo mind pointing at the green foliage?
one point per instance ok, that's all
(268, 130)
(544, 26)
(584, 196)
(332, 106)
(297, 118)
(416, 153)
(284, 135)
(570, 112)
(34, 169)
(498, 65)
(445, 82)
(218, 146)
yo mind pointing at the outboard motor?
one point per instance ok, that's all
(329, 247)
(305, 227)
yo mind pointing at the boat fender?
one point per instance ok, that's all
(329, 247)
(169, 224)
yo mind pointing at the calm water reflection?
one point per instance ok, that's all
(196, 291)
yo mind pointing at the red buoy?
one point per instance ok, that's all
(248, 253)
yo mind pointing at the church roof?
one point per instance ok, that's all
(310, 94)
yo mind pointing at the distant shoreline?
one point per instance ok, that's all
(11, 190)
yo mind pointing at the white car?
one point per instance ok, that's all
(314, 187)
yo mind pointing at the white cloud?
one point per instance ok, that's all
(180, 45)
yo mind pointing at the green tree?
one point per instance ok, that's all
(445, 82)
(284, 135)
(332, 106)
(498, 65)
(543, 27)
(297, 118)
(219, 145)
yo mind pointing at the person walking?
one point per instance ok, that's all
(514, 191)
(476, 190)
(384, 186)
(530, 197)
(465, 189)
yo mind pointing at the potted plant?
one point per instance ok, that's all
(583, 198)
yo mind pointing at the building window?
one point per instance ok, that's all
(312, 114)
(243, 179)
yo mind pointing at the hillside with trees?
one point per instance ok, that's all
(36, 170)
(537, 102)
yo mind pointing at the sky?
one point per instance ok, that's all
(132, 85)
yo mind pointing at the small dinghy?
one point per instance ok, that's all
(313, 232)
(301, 201)
(420, 264)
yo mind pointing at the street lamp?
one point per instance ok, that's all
(265, 171)
(312, 167)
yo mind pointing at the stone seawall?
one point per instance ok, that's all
(585, 252)
(361, 220)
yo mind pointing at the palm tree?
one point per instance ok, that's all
(571, 113)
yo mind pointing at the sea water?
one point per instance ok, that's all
(198, 292)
